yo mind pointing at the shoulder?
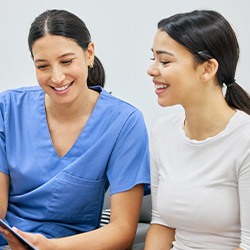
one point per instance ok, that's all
(240, 122)
(11, 93)
(115, 115)
(17, 97)
(117, 107)
(243, 117)
(168, 122)
(117, 102)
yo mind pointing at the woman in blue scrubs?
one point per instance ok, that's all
(63, 143)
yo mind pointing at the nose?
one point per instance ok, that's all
(152, 70)
(57, 75)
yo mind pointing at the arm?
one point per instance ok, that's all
(4, 177)
(159, 237)
(4, 191)
(244, 192)
(118, 234)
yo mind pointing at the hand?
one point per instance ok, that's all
(37, 240)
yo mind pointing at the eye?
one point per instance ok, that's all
(164, 62)
(152, 58)
(41, 66)
(67, 62)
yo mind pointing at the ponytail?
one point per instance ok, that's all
(96, 74)
(237, 98)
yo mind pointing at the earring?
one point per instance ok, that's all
(91, 65)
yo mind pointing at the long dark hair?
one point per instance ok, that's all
(66, 24)
(207, 34)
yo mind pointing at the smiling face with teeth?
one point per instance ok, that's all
(175, 74)
(62, 67)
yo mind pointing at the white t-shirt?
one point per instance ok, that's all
(202, 188)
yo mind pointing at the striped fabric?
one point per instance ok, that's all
(105, 219)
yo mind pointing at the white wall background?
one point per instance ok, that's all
(122, 31)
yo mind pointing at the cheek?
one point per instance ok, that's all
(170, 75)
(77, 71)
(41, 78)
(179, 76)
(80, 71)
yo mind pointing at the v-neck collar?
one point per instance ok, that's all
(83, 136)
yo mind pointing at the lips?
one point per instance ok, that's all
(62, 88)
(160, 85)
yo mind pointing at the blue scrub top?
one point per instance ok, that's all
(60, 196)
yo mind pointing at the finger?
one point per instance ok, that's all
(12, 241)
(27, 236)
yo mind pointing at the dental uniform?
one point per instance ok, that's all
(60, 196)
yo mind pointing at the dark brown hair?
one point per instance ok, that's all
(207, 34)
(66, 24)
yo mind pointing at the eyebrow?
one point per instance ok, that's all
(158, 52)
(39, 60)
(66, 54)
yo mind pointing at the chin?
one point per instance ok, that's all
(163, 104)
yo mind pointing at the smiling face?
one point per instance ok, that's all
(174, 72)
(62, 67)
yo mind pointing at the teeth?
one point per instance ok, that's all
(160, 86)
(62, 88)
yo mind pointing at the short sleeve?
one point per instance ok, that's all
(129, 161)
(244, 193)
(154, 172)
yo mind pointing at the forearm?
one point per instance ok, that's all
(112, 236)
(117, 235)
(2, 212)
(4, 193)
(159, 237)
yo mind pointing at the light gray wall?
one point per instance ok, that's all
(123, 31)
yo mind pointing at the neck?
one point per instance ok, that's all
(82, 106)
(207, 119)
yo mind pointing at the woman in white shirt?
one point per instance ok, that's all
(200, 160)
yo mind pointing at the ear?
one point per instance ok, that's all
(90, 53)
(209, 69)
